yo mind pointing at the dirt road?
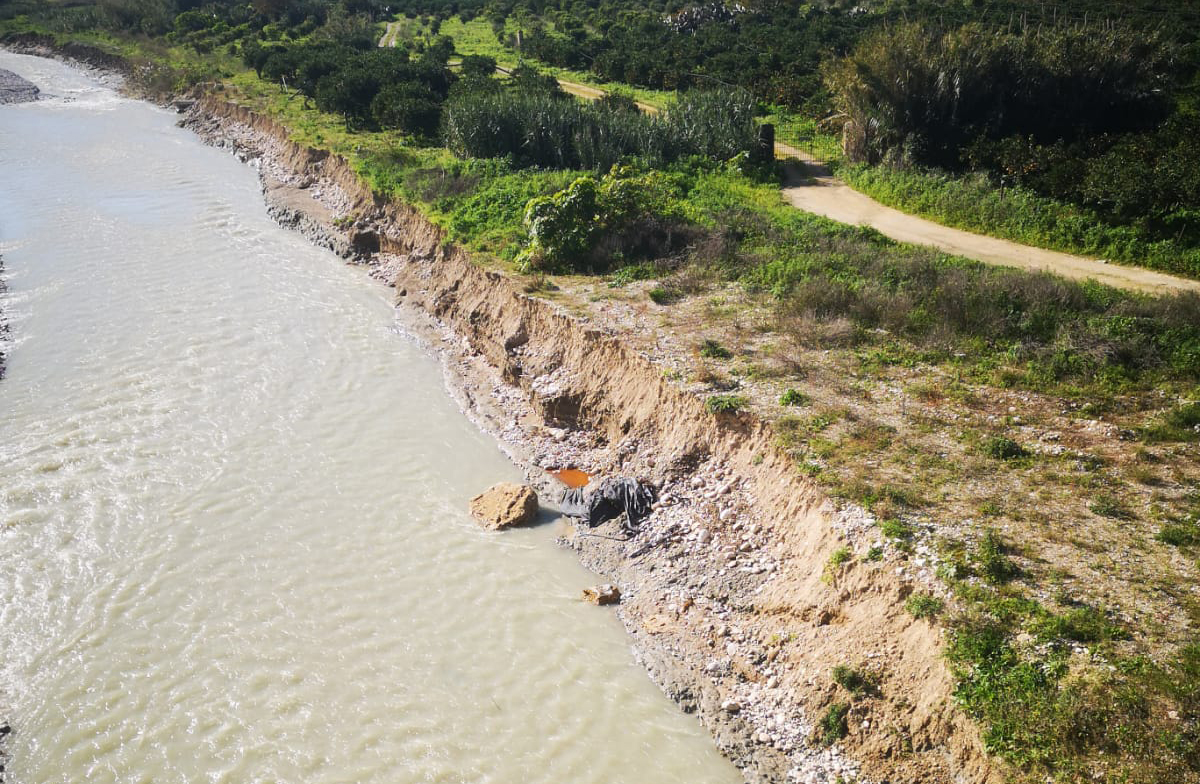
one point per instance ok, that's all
(828, 196)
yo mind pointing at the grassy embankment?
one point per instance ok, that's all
(1072, 570)
(972, 202)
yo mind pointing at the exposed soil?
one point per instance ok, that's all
(728, 589)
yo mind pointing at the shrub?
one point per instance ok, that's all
(840, 556)
(590, 222)
(923, 605)
(711, 349)
(660, 295)
(792, 397)
(850, 679)
(726, 404)
(991, 561)
(833, 727)
(1002, 448)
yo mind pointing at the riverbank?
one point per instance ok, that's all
(728, 590)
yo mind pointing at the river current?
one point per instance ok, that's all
(233, 538)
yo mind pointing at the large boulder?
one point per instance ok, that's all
(505, 505)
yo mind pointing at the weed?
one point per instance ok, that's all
(840, 556)
(895, 528)
(711, 349)
(990, 509)
(1109, 506)
(874, 553)
(852, 680)
(792, 397)
(833, 726)
(1179, 534)
(991, 561)
(1180, 423)
(1002, 448)
(1082, 624)
(726, 404)
(923, 605)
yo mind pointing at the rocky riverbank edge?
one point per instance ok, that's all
(732, 592)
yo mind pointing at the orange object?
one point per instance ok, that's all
(572, 477)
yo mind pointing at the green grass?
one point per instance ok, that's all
(711, 349)
(726, 404)
(973, 203)
(832, 725)
(792, 397)
(923, 605)
(852, 680)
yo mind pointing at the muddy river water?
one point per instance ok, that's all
(233, 537)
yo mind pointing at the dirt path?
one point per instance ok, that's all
(390, 34)
(828, 196)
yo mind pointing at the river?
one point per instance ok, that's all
(233, 537)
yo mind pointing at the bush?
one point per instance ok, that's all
(832, 726)
(1001, 448)
(726, 404)
(923, 605)
(792, 397)
(711, 349)
(589, 223)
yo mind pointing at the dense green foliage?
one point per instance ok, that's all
(369, 86)
(538, 127)
(593, 223)
(1103, 119)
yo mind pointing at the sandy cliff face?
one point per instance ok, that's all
(728, 589)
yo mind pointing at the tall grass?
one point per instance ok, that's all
(541, 129)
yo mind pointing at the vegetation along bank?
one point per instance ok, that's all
(978, 482)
